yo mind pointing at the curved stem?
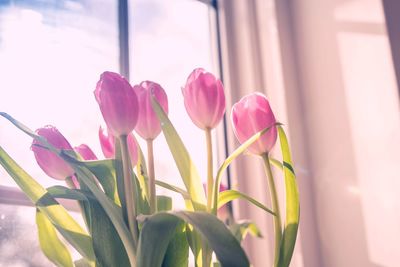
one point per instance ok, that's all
(275, 207)
(210, 179)
(129, 188)
(152, 178)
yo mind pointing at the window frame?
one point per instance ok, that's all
(10, 195)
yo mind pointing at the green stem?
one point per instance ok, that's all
(210, 179)
(129, 188)
(152, 178)
(206, 253)
(275, 207)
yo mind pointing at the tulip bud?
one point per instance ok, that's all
(251, 115)
(118, 103)
(107, 142)
(53, 165)
(148, 125)
(204, 99)
(85, 152)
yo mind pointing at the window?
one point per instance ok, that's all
(53, 52)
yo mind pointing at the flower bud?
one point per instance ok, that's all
(118, 103)
(85, 152)
(204, 99)
(251, 115)
(53, 165)
(148, 125)
(107, 143)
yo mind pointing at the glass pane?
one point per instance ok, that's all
(19, 244)
(168, 40)
(51, 56)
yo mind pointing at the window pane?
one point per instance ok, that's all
(19, 244)
(51, 56)
(170, 39)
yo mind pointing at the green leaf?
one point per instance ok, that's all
(164, 203)
(141, 171)
(276, 163)
(186, 166)
(107, 244)
(177, 254)
(51, 245)
(156, 233)
(185, 195)
(158, 230)
(56, 213)
(173, 188)
(59, 191)
(241, 229)
(83, 263)
(242, 148)
(292, 204)
(104, 170)
(229, 195)
(110, 208)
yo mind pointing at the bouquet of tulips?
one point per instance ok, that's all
(126, 222)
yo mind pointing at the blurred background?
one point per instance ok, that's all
(331, 70)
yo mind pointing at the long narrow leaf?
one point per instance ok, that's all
(177, 254)
(242, 148)
(51, 245)
(107, 244)
(292, 204)
(276, 163)
(112, 210)
(83, 263)
(104, 170)
(59, 191)
(185, 195)
(229, 195)
(173, 188)
(186, 166)
(241, 229)
(158, 230)
(56, 213)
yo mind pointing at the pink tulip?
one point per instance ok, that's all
(148, 125)
(118, 103)
(204, 99)
(53, 165)
(85, 152)
(107, 142)
(251, 115)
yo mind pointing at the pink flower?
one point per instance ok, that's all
(107, 142)
(85, 152)
(251, 115)
(53, 165)
(118, 103)
(204, 99)
(148, 125)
